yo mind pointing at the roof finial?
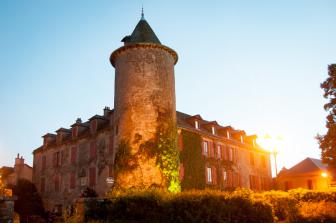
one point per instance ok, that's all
(142, 14)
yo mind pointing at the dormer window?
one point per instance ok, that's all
(227, 134)
(74, 132)
(196, 125)
(59, 138)
(213, 130)
(93, 126)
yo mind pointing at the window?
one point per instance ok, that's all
(57, 183)
(288, 185)
(72, 180)
(74, 132)
(111, 145)
(230, 153)
(196, 125)
(251, 159)
(44, 162)
(93, 126)
(205, 148)
(57, 159)
(263, 161)
(213, 130)
(310, 184)
(73, 157)
(227, 134)
(224, 176)
(241, 139)
(219, 151)
(92, 176)
(93, 149)
(209, 175)
(110, 170)
(42, 185)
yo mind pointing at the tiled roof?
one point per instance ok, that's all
(142, 33)
(305, 166)
(183, 121)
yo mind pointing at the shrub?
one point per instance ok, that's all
(193, 206)
(284, 207)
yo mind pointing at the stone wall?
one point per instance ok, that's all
(144, 102)
(6, 209)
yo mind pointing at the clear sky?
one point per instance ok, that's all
(255, 65)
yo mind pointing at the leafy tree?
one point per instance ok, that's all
(28, 201)
(89, 192)
(327, 142)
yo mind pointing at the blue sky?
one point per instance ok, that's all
(255, 65)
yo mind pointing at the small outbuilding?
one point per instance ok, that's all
(308, 174)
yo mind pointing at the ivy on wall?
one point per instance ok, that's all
(163, 146)
(167, 157)
(193, 161)
(123, 158)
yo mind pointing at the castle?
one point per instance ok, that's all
(144, 142)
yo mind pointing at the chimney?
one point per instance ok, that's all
(18, 160)
(106, 111)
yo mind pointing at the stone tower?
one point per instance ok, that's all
(145, 111)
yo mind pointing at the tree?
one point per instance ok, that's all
(89, 192)
(327, 142)
(28, 201)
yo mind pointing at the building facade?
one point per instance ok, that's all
(309, 174)
(21, 170)
(211, 155)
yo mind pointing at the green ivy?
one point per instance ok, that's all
(123, 157)
(167, 157)
(193, 160)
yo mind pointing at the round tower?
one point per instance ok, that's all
(144, 111)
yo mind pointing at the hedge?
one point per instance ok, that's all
(295, 206)
(195, 206)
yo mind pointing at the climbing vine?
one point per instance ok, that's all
(193, 160)
(168, 157)
(162, 147)
(123, 158)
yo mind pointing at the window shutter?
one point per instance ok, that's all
(111, 145)
(92, 176)
(56, 183)
(181, 172)
(54, 160)
(73, 154)
(44, 162)
(72, 180)
(214, 175)
(93, 149)
(211, 149)
(180, 142)
(42, 185)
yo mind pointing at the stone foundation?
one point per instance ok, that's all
(6, 209)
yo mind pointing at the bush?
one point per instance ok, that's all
(194, 206)
(284, 206)
(242, 205)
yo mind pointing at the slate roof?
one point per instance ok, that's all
(183, 121)
(142, 33)
(307, 165)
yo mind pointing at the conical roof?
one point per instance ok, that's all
(142, 33)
